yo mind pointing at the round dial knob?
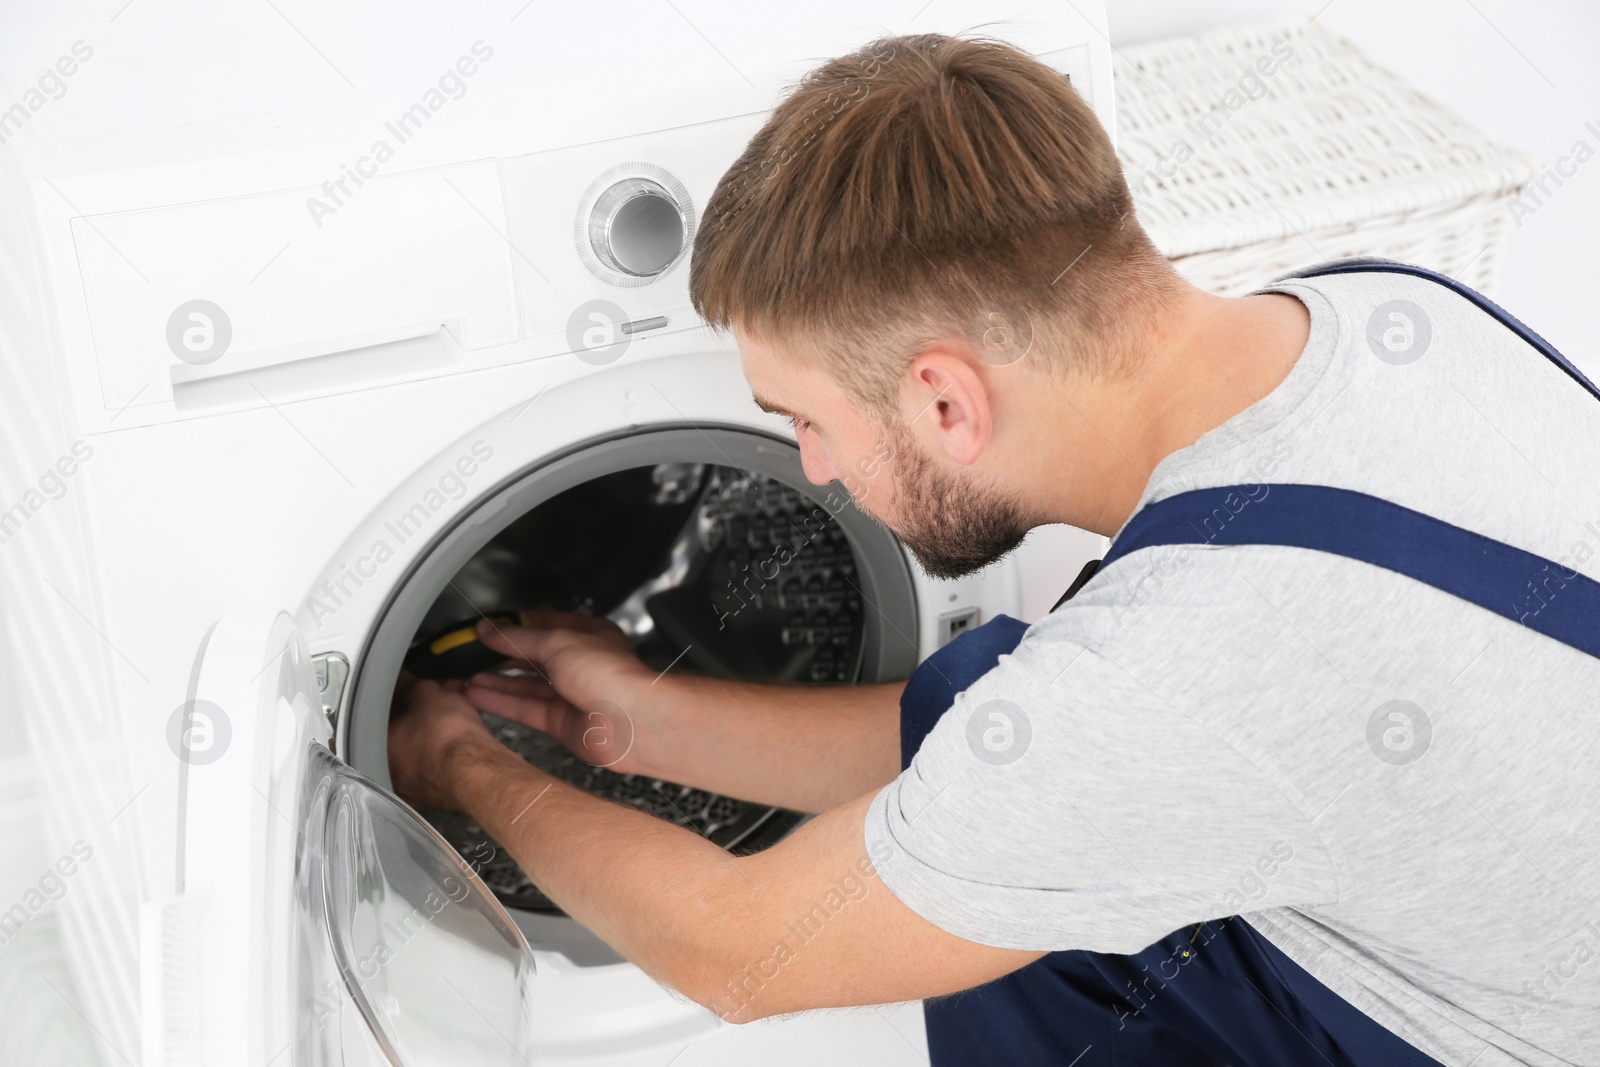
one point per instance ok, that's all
(637, 228)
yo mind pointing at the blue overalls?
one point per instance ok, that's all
(1234, 999)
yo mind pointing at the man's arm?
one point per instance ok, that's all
(805, 924)
(801, 747)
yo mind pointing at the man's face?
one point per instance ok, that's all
(951, 522)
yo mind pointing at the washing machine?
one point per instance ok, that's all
(326, 332)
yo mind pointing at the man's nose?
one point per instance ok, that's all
(814, 459)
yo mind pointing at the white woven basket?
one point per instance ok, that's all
(1258, 150)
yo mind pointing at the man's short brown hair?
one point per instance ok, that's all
(920, 188)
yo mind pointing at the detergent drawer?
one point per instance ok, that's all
(187, 294)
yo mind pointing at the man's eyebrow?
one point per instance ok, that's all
(770, 408)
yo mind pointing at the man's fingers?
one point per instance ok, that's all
(594, 625)
(541, 714)
(408, 690)
(517, 642)
(522, 685)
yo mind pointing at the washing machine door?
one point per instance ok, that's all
(406, 957)
(315, 910)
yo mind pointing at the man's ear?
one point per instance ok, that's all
(945, 401)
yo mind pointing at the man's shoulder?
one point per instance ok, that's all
(1395, 312)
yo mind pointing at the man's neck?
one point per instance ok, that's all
(1205, 360)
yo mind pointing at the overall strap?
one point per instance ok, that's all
(1539, 593)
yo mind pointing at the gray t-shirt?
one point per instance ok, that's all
(1397, 788)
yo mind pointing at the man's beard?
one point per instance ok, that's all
(952, 525)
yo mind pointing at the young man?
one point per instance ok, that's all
(928, 254)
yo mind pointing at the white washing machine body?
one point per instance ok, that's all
(271, 345)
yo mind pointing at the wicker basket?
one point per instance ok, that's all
(1257, 150)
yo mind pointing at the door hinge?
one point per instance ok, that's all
(332, 670)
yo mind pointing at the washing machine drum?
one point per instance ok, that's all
(709, 568)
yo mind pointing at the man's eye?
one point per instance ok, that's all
(798, 423)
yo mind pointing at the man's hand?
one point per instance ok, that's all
(584, 684)
(431, 730)
(800, 747)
